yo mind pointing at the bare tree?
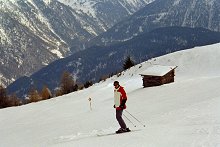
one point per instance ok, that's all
(46, 93)
(3, 97)
(58, 92)
(67, 83)
(34, 95)
(13, 100)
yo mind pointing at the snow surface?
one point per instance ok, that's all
(181, 114)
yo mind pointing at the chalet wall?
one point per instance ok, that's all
(149, 81)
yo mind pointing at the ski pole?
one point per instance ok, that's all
(135, 118)
(129, 120)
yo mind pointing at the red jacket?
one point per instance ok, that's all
(119, 95)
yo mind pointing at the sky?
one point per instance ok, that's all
(180, 114)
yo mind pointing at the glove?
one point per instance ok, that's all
(123, 103)
(122, 106)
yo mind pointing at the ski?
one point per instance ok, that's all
(114, 133)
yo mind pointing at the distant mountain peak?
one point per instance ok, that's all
(163, 13)
(92, 7)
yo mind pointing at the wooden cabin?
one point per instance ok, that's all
(157, 75)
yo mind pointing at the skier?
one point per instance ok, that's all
(120, 99)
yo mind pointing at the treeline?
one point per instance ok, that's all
(67, 85)
(8, 100)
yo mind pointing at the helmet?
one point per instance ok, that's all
(116, 83)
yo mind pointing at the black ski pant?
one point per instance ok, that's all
(120, 119)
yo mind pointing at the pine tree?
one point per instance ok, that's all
(128, 63)
(88, 84)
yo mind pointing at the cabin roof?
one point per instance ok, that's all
(157, 70)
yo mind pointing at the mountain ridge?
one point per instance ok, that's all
(98, 61)
(163, 13)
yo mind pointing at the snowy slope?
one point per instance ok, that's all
(181, 114)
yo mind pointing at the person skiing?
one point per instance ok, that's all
(120, 99)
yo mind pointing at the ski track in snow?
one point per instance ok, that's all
(88, 135)
(85, 135)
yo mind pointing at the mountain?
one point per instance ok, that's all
(36, 32)
(164, 13)
(108, 12)
(181, 114)
(97, 61)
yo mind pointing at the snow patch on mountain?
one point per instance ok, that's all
(91, 7)
(176, 2)
(4, 37)
(58, 53)
(47, 1)
(86, 6)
